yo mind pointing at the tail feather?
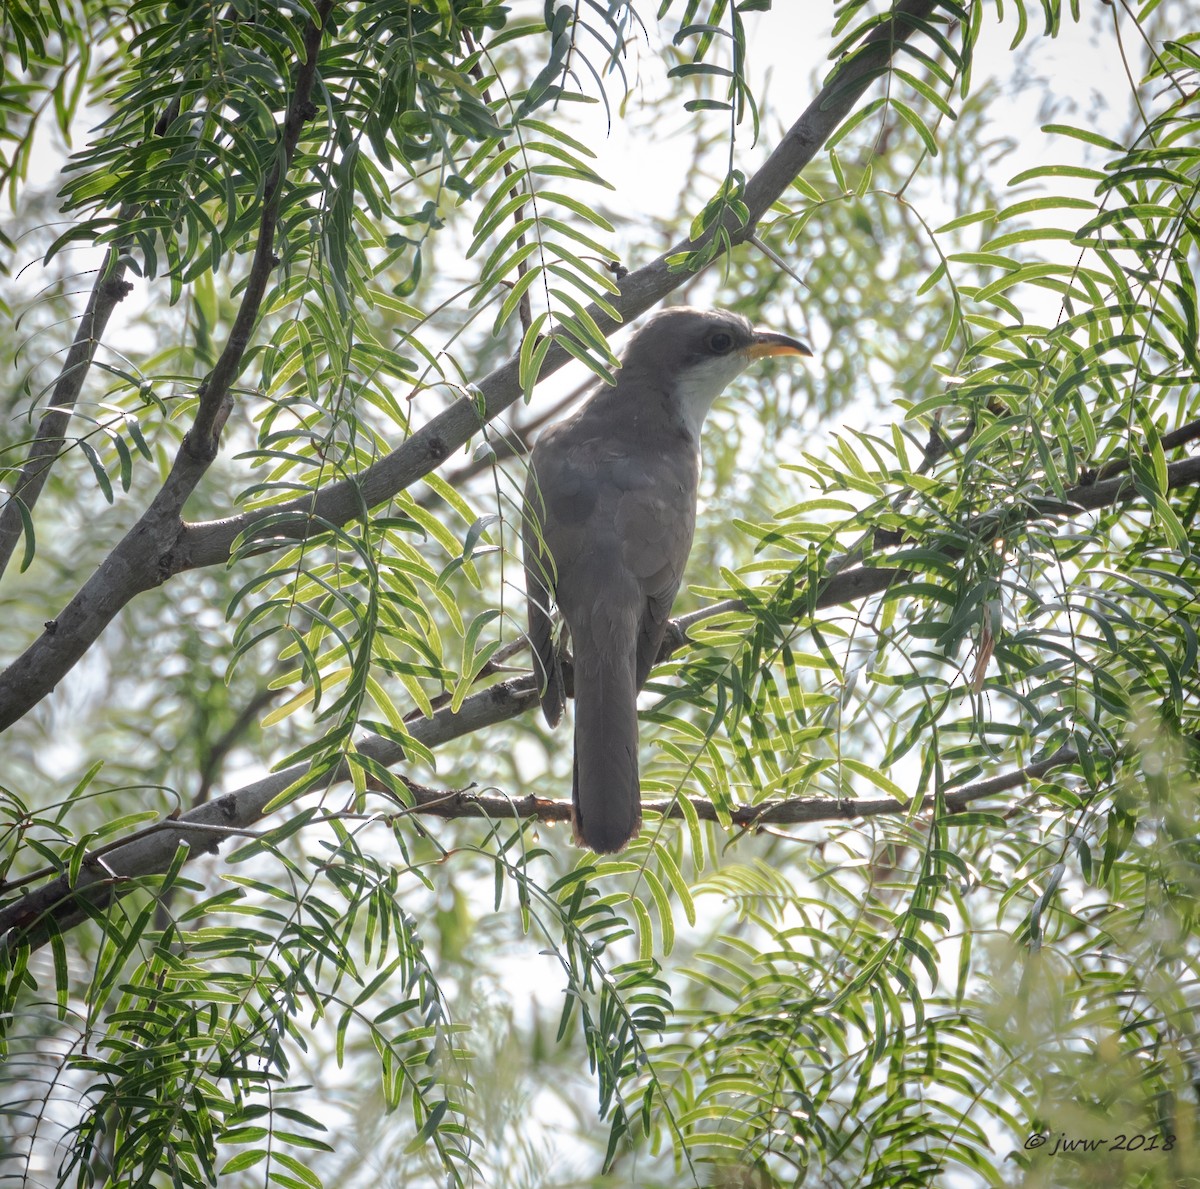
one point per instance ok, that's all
(606, 796)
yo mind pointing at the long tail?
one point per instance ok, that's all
(605, 792)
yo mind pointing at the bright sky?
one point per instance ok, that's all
(787, 50)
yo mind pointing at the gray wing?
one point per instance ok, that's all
(656, 523)
(619, 528)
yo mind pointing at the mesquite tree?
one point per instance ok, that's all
(284, 896)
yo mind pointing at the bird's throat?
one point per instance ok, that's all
(693, 395)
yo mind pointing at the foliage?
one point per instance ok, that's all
(339, 221)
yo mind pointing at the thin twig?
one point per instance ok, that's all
(109, 288)
(466, 803)
(524, 305)
(1182, 436)
(514, 441)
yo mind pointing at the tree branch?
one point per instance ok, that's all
(201, 440)
(109, 288)
(55, 906)
(1183, 436)
(792, 811)
(157, 547)
(58, 905)
(514, 441)
(136, 564)
(209, 543)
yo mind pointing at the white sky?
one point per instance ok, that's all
(786, 47)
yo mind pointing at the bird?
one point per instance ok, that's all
(610, 510)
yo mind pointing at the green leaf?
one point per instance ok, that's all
(102, 479)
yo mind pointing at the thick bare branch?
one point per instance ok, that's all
(56, 905)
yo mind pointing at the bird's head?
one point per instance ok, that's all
(693, 355)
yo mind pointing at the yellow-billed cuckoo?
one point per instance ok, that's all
(610, 507)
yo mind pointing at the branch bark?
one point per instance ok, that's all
(109, 288)
(794, 811)
(201, 439)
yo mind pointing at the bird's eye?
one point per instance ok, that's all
(720, 343)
